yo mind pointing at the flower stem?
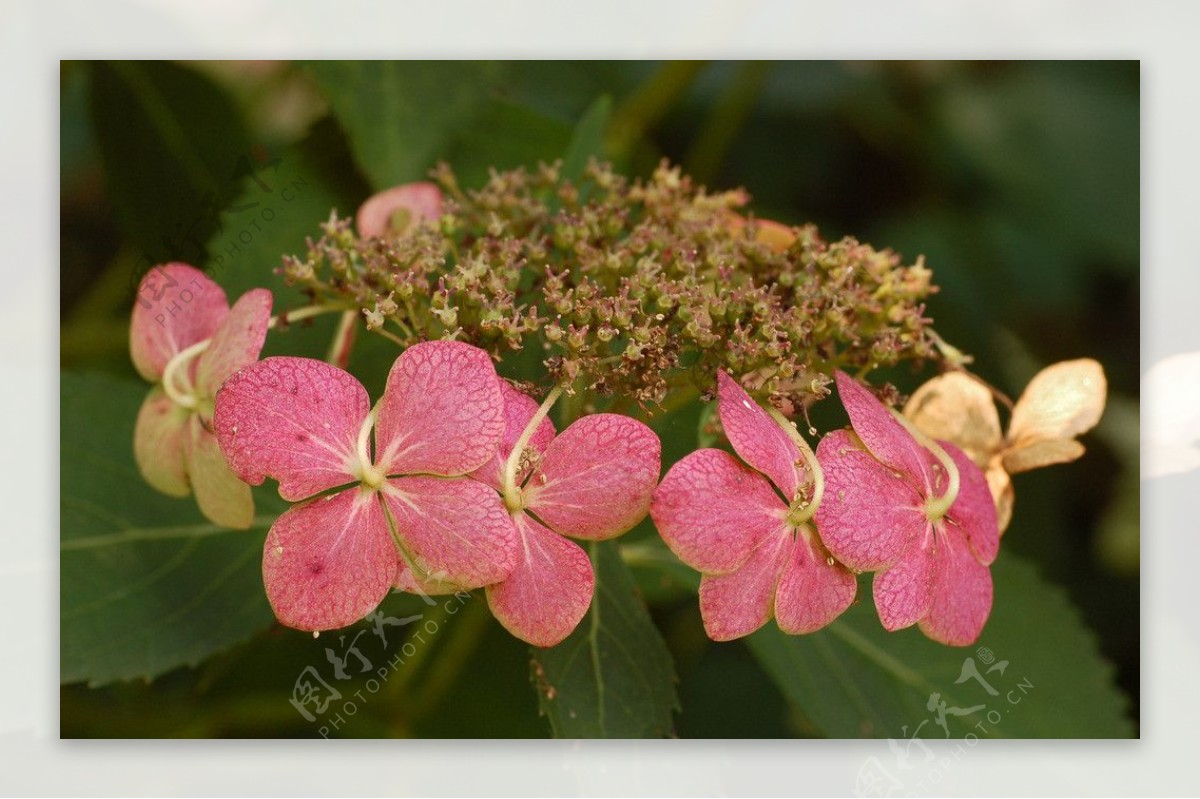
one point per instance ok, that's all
(343, 340)
(512, 492)
(570, 407)
(390, 336)
(308, 311)
(953, 355)
(937, 507)
(801, 511)
(410, 312)
(184, 399)
(370, 476)
(403, 327)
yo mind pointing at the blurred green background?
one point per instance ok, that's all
(1018, 181)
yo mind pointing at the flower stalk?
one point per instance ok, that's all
(343, 340)
(370, 476)
(512, 491)
(936, 507)
(307, 312)
(185, 398)
(801, 510)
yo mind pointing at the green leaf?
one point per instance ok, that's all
(401, 116)
(1033, 130)
(147, 583)
(174, 148)
(659, 574)
(854, 679)
(613, 677)
(504, 136)
(281, 205)
(588, 138)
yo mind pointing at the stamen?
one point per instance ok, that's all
(801, 511)
(936, 507)
(370, 476)
(512, 492)
(185, 398)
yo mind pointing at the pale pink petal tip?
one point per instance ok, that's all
(756, 437)
(457, 530)
(442, 411)
(712, 510)
(549, 591)
(597, 477)
(177, 306)
(329, 562)
(397, 210)
(885, 437)
(237, 342)
(292, 419)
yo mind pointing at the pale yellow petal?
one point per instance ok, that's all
(222, 497)
(1062, 401)
(1041, 452)
(1002, 493)
(776, 236)
(158, 443)
(955, 408)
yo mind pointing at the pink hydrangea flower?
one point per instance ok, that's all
(330, 560)
(186, 340)
(743, 526)
(395, 210)
(928, 527)
(591, 482)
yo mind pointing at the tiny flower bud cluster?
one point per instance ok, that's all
(632, 287)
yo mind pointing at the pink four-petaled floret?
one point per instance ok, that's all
(881, 514)
(734, 522)
(591, 482)
(395, 210)
(330, 560)
(178, 309)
